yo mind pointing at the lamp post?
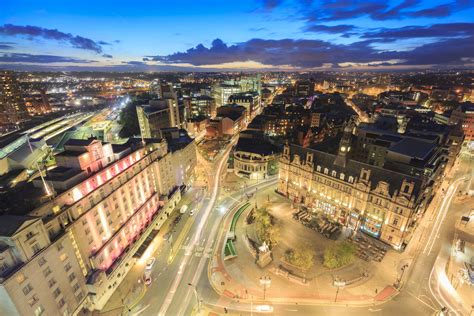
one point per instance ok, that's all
(265, 281)
(196, 296)
(403, 268)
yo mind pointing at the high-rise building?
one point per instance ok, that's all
(73, 251)
(12, 106)
(158, 114)
(222, 92)
(201, 105)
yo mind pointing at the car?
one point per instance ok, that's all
(264, 308)
(148, 280)
(191, 213)
(150, 262)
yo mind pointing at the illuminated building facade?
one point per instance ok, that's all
(95, 223)
(12, 105)
(464, 117)
(254, 158)
(381, 202)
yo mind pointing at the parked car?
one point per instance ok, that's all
(191, 213)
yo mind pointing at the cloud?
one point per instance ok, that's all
(258, 29)
(335, 29)
(435, 30)
(316, 53)
(40, 59)
(336, 10)
(271, 4)
(134, 63)
(32, 32)
(6, 45)
(107, 56)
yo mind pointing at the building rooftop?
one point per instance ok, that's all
(353, 168)
(12, 223)
(256, 146)
(80, 142)
(413, 148)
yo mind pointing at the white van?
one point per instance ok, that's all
(183, 209)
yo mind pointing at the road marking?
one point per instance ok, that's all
(291, 310)
(141, 310)
(419, 299)
(374, 310)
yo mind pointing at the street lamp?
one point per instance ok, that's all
(265, 281)
(196, 296)
(399, 281)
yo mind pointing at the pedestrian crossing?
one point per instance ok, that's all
(199, 251)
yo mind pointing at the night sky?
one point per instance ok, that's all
(241, 35)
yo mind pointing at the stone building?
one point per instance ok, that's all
(384, 203)
(74, 250)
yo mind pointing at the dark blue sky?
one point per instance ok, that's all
(214, 35)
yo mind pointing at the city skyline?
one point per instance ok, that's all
(246, 35)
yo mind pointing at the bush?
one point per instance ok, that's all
(302, 257)
(339, 254)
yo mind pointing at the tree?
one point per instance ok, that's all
(301, 257)
(129, 121)
(266, 231)
(339, 254)
(128, 117)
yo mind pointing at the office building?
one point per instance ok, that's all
(12, 105)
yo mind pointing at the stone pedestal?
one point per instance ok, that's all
(264, 259)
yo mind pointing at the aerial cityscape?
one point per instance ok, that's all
(268, 157)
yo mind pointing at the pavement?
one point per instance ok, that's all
(239, 277)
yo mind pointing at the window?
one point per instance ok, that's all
(20, 278)
(52, 282)
(333, 173)
(56, 292)
(79, 296)
(46, 272)
(351, 179)
(61, 303)
(75, 287)
(341, 176)
(36, 248)
(39, 310)
(29, 235)
(60, 247)
(71, 277)
(41, 261)
(395, 221)
(27, 289)
(67, 267)
(326, 170)
(32, 301)
(63, 257)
